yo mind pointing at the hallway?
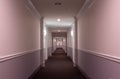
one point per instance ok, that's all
(59, 66)
(59, 39)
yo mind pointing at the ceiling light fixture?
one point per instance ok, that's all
(58, 20)
(59, 30)
(58, 3)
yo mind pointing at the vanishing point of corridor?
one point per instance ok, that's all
(59, 66)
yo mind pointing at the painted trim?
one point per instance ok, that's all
(105, 56)
(83, 8)
(92, 3)
(32, 8)
(12, 56)
(87, 4)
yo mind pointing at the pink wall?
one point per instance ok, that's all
(99, 28)
(19, 33)
(99, 32)
(19, 30)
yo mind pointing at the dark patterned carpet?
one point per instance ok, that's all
(59, 66)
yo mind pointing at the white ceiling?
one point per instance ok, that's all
(65, 12)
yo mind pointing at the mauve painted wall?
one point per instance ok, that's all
(97, 67)
(21, 67)
(19, 33)
(19, 30)
(99, 31)
(99, 28)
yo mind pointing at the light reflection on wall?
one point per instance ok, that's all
(45, 44)
(73, 41)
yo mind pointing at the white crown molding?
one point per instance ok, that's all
(32, 8)
(87, 4)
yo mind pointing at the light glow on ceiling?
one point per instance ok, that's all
(58, 20)
(59, 30)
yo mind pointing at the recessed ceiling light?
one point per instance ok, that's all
(58, 20)
(59, 30)
(58, 3)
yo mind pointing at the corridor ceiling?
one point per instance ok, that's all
(59, 29)
(65, 10)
